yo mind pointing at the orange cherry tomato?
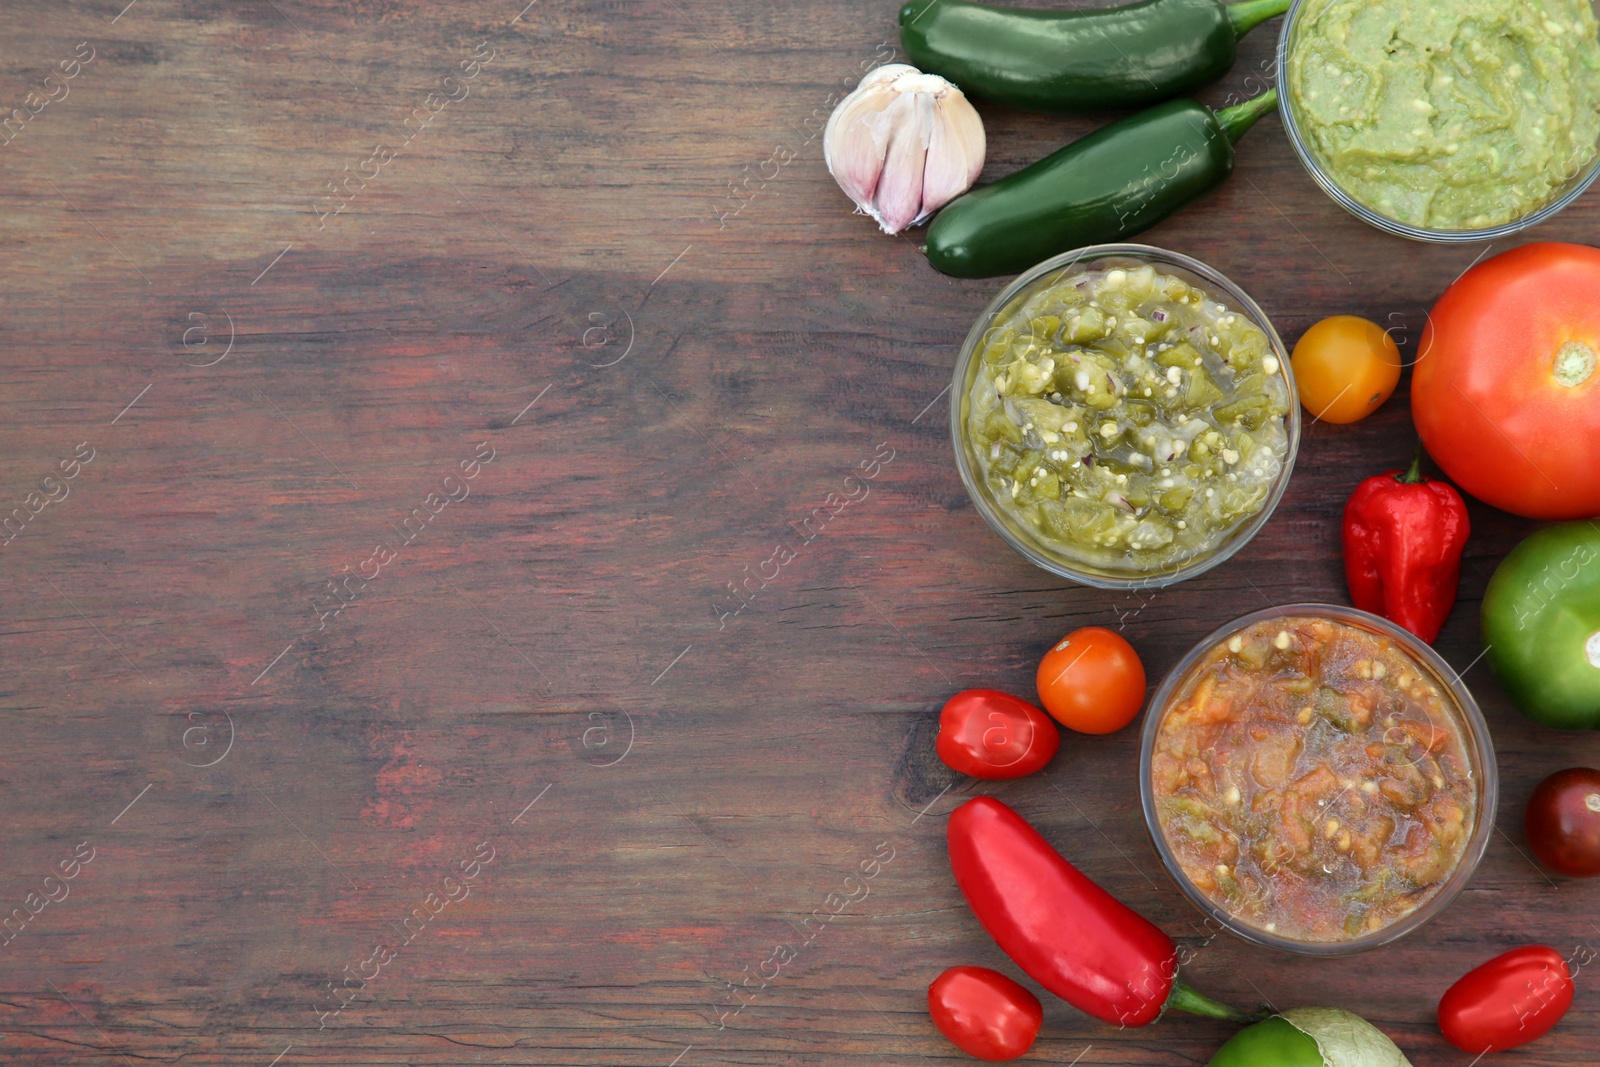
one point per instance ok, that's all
(1345, 368)
(990, 734)
(1092, 681)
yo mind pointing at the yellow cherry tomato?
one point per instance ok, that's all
(1345, 368)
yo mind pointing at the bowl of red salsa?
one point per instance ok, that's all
(1317, 779)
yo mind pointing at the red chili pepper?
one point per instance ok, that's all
(1403, 536)
(1509, 1001)
(1068, 934)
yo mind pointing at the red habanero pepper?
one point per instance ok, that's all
(1509, 1001)
(1065, 932)
(1403, 536)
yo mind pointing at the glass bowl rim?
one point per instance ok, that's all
(1577, 185)
(1477, 741)
(1238, 300)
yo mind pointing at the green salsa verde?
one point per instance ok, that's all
(1124, 419)
(1448, 114)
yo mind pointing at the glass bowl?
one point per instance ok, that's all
(1105, 257)
(1475, 741)
(1570, 191)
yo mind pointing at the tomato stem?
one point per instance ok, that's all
(1185, 999)
(1413, 476)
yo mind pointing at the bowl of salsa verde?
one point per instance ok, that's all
(1124, 416)
(1317, 779)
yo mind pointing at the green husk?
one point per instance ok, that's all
(1346, 1039)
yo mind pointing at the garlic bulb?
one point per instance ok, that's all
(903, 144)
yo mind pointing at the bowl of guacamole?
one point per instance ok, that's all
(1450, 120)
(1124, 416)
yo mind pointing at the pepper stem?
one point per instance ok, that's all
(1237, 119)
(1185, 999)
(1414, 475)
(1248, 14)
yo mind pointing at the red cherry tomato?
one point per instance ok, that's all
(1563, 822)
(1509, 1001)
(984, 1013)
(1092, 681)
(990, 734)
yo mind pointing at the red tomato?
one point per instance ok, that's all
(984, 1013)
(1092, 681)
(990, 734)
(1506, 392)
(1509, 1001)
(1563, 822)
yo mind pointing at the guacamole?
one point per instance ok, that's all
(1126, 420)
(1449, 114)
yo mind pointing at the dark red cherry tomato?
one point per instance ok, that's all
(984, 1013)
(1509, 1001)
(990, 734)
(1563, 822)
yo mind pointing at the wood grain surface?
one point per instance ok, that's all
(445, 367)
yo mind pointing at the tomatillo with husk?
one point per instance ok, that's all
(1310, 1037)
(1541, 625)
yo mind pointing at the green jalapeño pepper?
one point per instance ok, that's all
(1541, 625)
(1310, 1037)
(1118, 180)
(1079, 59)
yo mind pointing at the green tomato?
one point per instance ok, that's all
(1541, 625)
(1310, 1037)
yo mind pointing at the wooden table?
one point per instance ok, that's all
(382, 763)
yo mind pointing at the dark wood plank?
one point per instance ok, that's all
(592, 268)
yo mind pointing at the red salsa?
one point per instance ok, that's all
(1311, 779)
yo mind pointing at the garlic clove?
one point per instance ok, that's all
(856, 161)
(898, 200)
(955, 152)
(854, 143)
(902, 144)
